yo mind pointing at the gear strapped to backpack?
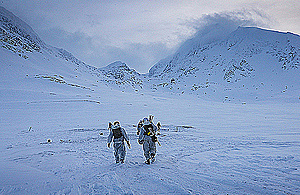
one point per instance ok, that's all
(149, 131)
(117, 133)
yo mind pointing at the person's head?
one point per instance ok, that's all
(146, 121)
(116, 125)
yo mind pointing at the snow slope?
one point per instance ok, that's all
(208, 147)
(249, 64)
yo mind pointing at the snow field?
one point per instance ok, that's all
(207, 148)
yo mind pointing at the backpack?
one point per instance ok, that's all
(148, 132)
(147, 129)
(117, 133)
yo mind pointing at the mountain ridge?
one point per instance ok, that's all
(241, 66)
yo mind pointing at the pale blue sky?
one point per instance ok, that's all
(140, 33)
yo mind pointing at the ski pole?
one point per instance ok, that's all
(158, 143)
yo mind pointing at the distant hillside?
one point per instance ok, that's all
(249, 64)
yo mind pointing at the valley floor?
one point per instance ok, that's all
(207, 148)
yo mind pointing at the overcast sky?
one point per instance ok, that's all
(142, 32)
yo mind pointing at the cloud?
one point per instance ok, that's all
(99, 52)
(211, 27)
(138, 56)
(229, 21)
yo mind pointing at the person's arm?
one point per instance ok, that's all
(126, 137)
(124, 134)
(139, 126)
(141, 136)
(109, 139)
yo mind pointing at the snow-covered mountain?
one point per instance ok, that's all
(249, 63)
(42, 61)
(19, 38)
(118, 73)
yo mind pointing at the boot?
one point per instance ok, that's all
(147, 161)
(152, 157)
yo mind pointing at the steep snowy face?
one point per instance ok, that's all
(16, 35)
(241, 63)
(232, 53)
(250, 42)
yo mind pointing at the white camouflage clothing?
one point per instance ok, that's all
(119, 146)
(149, 146)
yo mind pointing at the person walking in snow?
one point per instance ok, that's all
(118, 134)
(147, 138)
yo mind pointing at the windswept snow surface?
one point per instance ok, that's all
(207, 147)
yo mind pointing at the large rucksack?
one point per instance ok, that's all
(117, 133)
(148, 129)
